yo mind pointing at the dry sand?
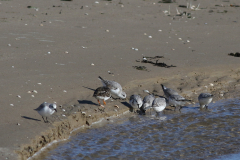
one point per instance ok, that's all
(50, 46)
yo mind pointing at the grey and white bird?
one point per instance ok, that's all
(46, 110)
(159, 104)
(136, 101)
(115, 88)
(204, 99)
(177, 101)
(147, 102)
(102, 93)
(174, 98)
(168, 91)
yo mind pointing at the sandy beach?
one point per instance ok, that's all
(55, 50)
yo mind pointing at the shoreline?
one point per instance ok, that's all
(75, 131)
(221, 88)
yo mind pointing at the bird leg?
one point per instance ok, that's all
(99, 102)
(104, 102)
(180, 108)
(206, 107)
(45, 121)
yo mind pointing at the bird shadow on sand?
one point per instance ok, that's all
(30, 118)
(169, 109)
(88, 88)
(87, 102)
(128, 105)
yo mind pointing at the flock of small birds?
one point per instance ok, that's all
(172, 98)
(158, 104)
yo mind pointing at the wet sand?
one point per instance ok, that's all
(50, 46)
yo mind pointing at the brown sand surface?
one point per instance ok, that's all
(50, 47)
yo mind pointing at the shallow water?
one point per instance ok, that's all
(191, 134)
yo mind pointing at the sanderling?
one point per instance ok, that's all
(168, 91)
(204, 99)
(114, 87)
(147, 102)
(102, 93)
(159, 104)
(136, 101)
(177, 100)
(46, 110)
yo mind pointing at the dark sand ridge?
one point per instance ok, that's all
(211, 35)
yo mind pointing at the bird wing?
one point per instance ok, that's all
(114, 85)
(42, 106)
(148, 99)
(171, 91)
(206, 95)
(159, 102)
(102, 91)
(179, 98)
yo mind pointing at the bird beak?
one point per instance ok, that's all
(55, 110)
(143, 110)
